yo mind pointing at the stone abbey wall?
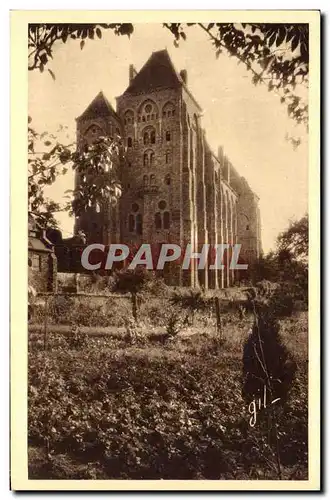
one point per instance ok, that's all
(174, 188)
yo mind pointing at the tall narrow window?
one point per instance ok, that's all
(146, 138)
(152, 137)
(166, 220)
(145, 160)
(151, 159)
(139, 224)
(145, 180)
(168, 136)
(131, 223)
(152, 180)
(167, 180)
(158, 221)
(129, 142)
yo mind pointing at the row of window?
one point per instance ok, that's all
(149, 137)
(149, 112)
(162, 221)
(149, 159)
(150, 117)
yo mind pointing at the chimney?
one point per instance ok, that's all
(184, 76)
(132, 73)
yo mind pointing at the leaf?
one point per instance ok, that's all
(99, 32)
(281, 36)
(82, 43)
(272, 39)
(52, 74)
(294, 43)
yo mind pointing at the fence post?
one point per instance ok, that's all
(218, 316)
(46, 323)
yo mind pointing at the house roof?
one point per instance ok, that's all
(38, 245)
(158, 72)
(100, 106)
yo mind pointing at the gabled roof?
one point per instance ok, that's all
(100, 106)
(158, 72)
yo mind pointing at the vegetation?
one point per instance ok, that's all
(173, 411)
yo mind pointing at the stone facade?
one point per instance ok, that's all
(174, 188)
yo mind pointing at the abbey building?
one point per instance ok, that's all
(175, 189)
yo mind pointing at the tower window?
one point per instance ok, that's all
(167, 180)
(247, 227)
(146, 138)
(158, 221)
(166, 220)
(145, 180)
(167, 157)
(152, 137)
(139, 224)
(162, 219)
(129, 142)
(145, 160)
(168, 136)
(152, 180)
(151, 160)
(131, 223)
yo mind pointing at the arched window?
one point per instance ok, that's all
(145, 138)
(168, 157)
(145, 180)
(152, 180)
(167, 180)
(162, 218)
(158, 221)
(92, 134)
(139, 224)
(131, 223)
(145, 159)
(149, 135)
(168, 136)
(148, 158)
(129, 142)
(168, 110)
(129, 117)
(166, 220)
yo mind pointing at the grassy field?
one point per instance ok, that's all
(140, 406)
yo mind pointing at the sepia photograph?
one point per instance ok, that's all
(168, 231)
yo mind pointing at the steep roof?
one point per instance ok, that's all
(100, 106)
(158, 72)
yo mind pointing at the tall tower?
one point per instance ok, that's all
(174, 188)
(100, 224)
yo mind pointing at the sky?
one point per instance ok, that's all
(249, 122)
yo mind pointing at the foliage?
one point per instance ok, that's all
(275, 54)
(42, 38)
(191, 299)
(293, 242)
(135, 413)
(95, 164)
